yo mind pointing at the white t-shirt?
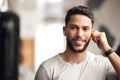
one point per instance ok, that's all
(93, 67)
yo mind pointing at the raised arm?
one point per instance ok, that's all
(100, 39)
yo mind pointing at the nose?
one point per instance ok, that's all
(80, 32)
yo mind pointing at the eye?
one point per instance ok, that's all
(86, 28)
(73, 27)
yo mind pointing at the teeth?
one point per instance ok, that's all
(79, 42)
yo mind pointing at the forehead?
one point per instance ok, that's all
(80, 20)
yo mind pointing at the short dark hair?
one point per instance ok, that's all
(79, 10)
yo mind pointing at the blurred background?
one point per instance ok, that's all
(31, 32)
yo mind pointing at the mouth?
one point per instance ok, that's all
(79, 42)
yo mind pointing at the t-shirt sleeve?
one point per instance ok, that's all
(41, 74)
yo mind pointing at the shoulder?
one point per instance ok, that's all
(51, 62)
(101, 64)
(97, 57)
(99, 60)
(45, 70)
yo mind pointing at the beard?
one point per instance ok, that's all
(70, 45)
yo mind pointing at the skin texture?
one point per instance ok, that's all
(78, 32)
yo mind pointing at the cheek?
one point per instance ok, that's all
(70, 34)
(88, 35)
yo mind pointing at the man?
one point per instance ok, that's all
(76, 63)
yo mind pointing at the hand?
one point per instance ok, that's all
(100, 39)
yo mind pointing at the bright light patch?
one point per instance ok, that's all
(54, 1)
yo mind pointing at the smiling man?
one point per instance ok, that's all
(76, 63)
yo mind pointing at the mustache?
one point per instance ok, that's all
(79, 39)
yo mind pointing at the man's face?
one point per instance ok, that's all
(78, 32)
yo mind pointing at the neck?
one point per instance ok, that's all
(73, 57)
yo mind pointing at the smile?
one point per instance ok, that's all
(79, 42)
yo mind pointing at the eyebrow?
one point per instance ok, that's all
(87, 26)
(77, 25)
(73, 25)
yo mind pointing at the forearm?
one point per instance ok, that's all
(115, 61)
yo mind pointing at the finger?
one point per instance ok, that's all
(95, 36)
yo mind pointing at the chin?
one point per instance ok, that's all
(79, 50)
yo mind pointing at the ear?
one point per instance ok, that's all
(93, 31)
(64, 30)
